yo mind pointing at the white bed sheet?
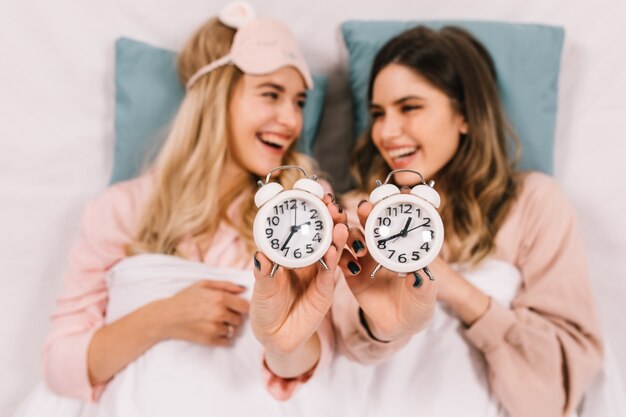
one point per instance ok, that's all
(56, 140)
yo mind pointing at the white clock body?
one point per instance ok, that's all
(293, 228)
(404, 232)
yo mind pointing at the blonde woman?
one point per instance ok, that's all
(190, 214)
(516, 333)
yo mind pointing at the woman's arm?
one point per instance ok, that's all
(542, 351)
(290, 314)
(201, 313)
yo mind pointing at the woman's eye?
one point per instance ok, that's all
(301, 103)
(273, 96)
(376, 114)
(407, 108)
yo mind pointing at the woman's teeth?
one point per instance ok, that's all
(402, 152)
(268, 140)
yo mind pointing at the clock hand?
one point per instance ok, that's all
(390, 237)
(291, 233)
(417, 227)
(300, 225)
(404, 231)
(295, 215)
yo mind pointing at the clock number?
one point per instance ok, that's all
(425, 245)
(386, 221)
(273, 221)
(405, 208)
(432, 234)
(269, 232)
(314, 216)
(309, 248)
(382, 244)
(419, 212)
(303, 205)
(416, 256)
(427, 224)
(286, 251)
(392, 253)
(376, 232)
(317, 238)
(293, 204)
(275, 244)
(297, 254)
(402, 258)
(392, 211)
(276, 209)
(318, 225)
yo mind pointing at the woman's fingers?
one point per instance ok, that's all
(220, 285)
(262, 270)
(363, 211)
(356, 242)
(340, 237)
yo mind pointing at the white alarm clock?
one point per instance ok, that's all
(404, 232)
(293, 228)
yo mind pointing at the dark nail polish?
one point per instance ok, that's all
(354, 268)
(357, 245)
(339, 208)
(418, 280)
(332, 196)
(361, 202)
(257, 264)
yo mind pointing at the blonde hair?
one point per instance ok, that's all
(190, 196)
(479, 183)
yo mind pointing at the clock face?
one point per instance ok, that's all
(294, 229)
(404, 233)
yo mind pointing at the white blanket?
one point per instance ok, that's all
(173, 377)
(438, 374)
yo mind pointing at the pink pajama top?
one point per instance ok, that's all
(108, 225)
(543, 351)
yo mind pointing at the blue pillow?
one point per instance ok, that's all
(148, 93)
(527, 59)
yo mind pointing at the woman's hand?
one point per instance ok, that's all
(393, 307)
(467, 301)
(207, 312)
(287, 310)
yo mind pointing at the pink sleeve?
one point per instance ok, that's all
(543, 351)
(284, 388)
(104, 231)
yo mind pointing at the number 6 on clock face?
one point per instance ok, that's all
(292, 228)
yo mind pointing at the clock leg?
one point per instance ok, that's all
(430, 275)
(326, 268)
(274, 269)
(373, 274)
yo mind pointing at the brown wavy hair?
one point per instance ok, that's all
(479, 184)
(190, 197)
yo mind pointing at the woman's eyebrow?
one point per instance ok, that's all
(401, 100)
(274, 86)
(407, 98)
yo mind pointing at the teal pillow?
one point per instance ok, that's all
(148, 93)
(527, 59)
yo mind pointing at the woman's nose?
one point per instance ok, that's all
(289, 115)
(390, 127)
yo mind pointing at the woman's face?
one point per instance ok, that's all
(265, 115)
(414, 125)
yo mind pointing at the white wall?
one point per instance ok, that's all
(56, 121)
